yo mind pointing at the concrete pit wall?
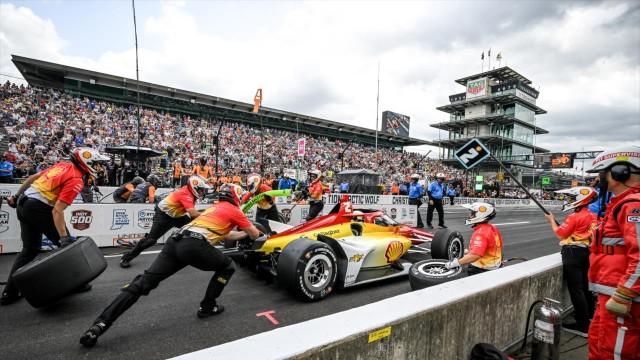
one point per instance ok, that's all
(440, 322)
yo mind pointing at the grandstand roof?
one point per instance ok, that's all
(116, 88)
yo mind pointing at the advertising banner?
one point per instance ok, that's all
(395, 124)
(477, 88)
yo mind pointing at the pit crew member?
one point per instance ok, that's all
(485, 246)
(267, 209)
(193, 245)
(40, 203)
(575, 235)
(175, 210)
(315, 194)
(145, 192)
(614, 272)
(123, 192)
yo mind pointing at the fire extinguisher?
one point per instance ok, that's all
(547, 323)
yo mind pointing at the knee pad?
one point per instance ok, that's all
(223, 276)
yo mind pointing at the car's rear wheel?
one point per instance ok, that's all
(432, 272)
(447, 245)
(308, 268)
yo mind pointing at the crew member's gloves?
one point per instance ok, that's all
(452, 264)
(66, 241)
(621, 300)
(12, 201)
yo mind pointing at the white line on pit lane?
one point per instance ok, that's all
(513, 223)
(142, 253)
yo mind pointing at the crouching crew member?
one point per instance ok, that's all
(123, 193)
(614, 272)
(194, 246)
(267, 209)
(175, 210)
(485, 246)
(315, 194)
(41, 201)
(145, 192)
(575, 237)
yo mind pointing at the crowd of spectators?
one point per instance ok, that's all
(41, 125)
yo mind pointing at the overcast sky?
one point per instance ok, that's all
(321, 58)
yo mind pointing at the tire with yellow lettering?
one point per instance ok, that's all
(308, 268)
(431, 272)
(447, 244)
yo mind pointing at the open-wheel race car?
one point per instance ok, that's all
(344, 248)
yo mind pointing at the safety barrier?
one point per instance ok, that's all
(106, 223)
(440, 322)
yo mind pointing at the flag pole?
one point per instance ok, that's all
(377, 107)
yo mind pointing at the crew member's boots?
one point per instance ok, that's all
(90, 337)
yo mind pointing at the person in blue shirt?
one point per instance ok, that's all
(6, 171)
(415, 195)
(596, 206)
(284, 183)
(436, 193)
(451, 193)
(344, 187)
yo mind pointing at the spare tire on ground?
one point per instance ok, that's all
(447, 244)
(56, 275)
(431, 272)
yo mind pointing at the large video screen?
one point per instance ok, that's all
(395, 124)
(554, 160)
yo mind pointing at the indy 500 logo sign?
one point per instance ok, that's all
(81, 219)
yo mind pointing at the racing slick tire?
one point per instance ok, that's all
(52, 277)
(447, 244)
(308, 268)
(431, 272)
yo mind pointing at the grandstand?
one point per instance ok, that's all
(121, 90)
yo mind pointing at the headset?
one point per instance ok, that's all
(620, 172)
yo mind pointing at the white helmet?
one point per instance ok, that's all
(440, 176)
(253, 183)
(198, 186)
(629, 155)
(316, 174)
(480, 212)
(581, 196)
(85, 157)
(415, 176)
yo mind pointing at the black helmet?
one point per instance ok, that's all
(153, 180)
(231, 193)
(137, 181)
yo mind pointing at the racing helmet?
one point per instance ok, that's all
(581, 196)
(137, 181)
(622, 162)
(479, 212)
(253, 183)
(231, 193)
(84, 158)
(198, 186)
(314, 174)
(153, 180)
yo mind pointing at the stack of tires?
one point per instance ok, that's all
(445, 246)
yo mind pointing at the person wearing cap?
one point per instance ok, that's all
(436, 193)
(40, 203)
(194, 245)
(415, 196)
(485, 246)
(614, 263)
(315, 194)
(575, 235)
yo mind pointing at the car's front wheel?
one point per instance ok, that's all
(308, 268)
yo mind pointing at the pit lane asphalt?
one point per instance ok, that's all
(164, 324)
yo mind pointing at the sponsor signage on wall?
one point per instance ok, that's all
(145, 218)
(477, 88)
(81, 219)
(4, 221)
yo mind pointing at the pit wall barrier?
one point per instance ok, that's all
(439, 322)
(106, 223)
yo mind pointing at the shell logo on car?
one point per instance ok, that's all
(356, 258)
(395, 250)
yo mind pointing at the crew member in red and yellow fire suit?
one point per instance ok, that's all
(41, 201)
(193, 245)
(575, 235)
(614, 272)
(485, 246)
(267, 209)
(175, 210)
(315, 194)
